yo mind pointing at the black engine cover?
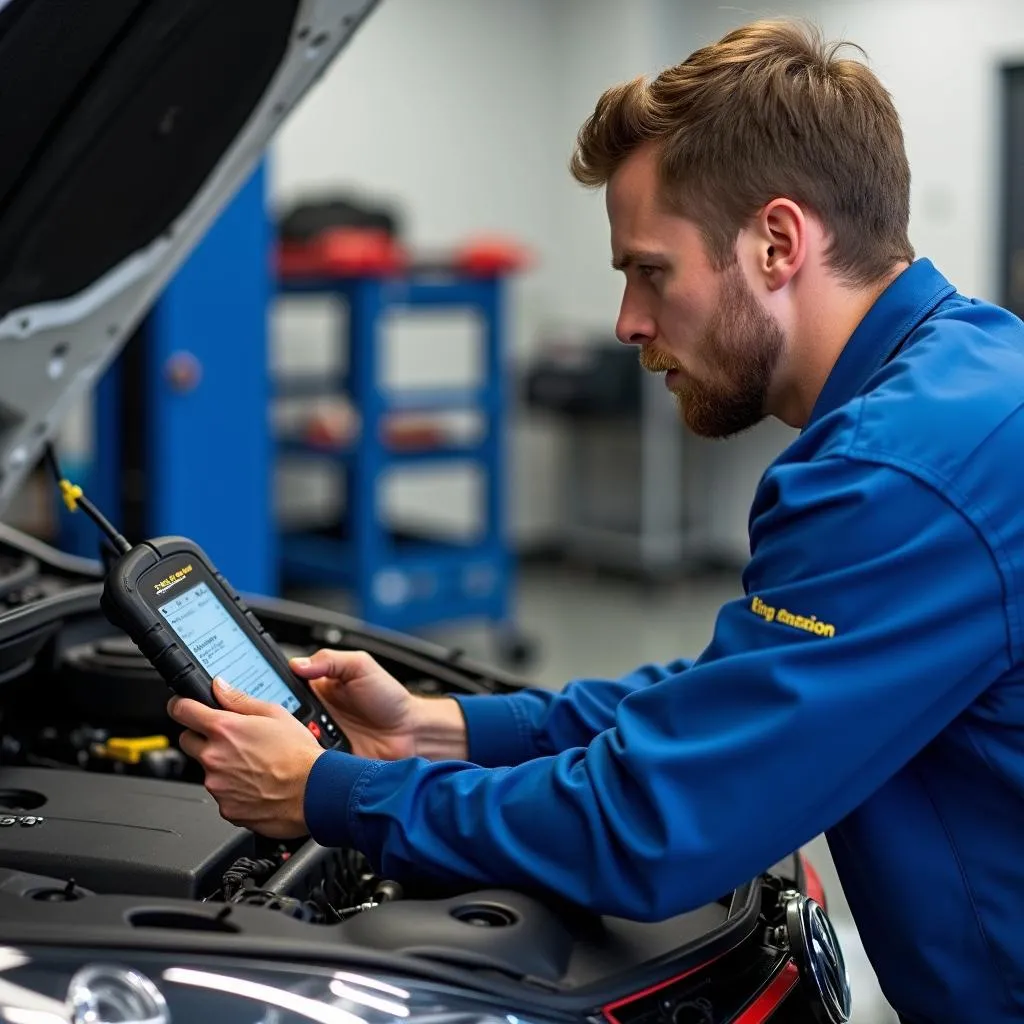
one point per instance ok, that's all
(116, 834)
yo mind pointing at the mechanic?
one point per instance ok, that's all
(868, 685)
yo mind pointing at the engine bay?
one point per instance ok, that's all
(93, 788)
(107, 831)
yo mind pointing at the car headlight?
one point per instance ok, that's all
(52, 987)
(102, 994)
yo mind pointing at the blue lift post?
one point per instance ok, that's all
(209, 455)
(397, 584)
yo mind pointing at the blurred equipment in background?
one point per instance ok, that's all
(587, 382)
(310, 219)
(402, 579)
(623, 498)
(339, 234)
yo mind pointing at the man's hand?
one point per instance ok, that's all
(257, 757)
(381, 719)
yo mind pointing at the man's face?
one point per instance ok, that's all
(718, 347)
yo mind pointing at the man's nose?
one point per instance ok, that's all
(634, 326)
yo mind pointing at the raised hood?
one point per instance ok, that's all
(125, 127)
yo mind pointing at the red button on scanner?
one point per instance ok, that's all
(314, 729)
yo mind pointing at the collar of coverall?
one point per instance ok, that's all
(897, 312)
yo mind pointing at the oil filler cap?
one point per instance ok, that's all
(485, 915)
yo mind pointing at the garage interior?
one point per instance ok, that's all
(535, 464)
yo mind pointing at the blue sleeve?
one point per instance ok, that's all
(874, 616)
(513, 728)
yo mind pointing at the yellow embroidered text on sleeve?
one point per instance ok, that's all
(809, 624)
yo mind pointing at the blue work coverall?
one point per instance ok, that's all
(868, 685)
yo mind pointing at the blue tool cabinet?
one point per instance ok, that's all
(402, 583)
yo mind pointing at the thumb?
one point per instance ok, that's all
(307, 668)
(335, 695)
(327, 688)
(240, 702)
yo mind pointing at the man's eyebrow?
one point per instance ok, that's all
(632, 256)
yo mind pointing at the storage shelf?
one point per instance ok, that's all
(419, 582)
(414, 400)
(399, 400)
(421, 291)
(403, 585)
(336, 555)
(309, 385)
(394, 456)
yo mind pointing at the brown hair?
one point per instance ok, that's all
(769, 110)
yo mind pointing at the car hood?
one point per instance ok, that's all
(127, 125)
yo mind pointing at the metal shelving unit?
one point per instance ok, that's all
(404, 583)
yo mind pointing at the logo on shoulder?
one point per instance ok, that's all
(784, 617)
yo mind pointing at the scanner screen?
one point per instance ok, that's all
(221, 646)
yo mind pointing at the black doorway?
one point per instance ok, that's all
(1012, 256)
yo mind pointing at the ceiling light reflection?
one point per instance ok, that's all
(343, 991)
(269, 994)
(380, 986)
(21, 1015)
(11, 958)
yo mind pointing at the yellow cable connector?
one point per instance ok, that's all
(70, 493)
(129, 750)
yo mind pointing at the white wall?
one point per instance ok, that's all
(602, 42)
(425, 105)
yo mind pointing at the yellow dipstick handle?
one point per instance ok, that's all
(71, 493)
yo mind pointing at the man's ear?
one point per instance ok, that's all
(779, 236)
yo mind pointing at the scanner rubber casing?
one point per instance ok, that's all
(128, 602)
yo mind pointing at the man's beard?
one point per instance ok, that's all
(740, 350)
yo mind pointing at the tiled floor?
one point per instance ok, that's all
(592, 625)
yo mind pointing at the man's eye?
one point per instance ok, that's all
(646, 271)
